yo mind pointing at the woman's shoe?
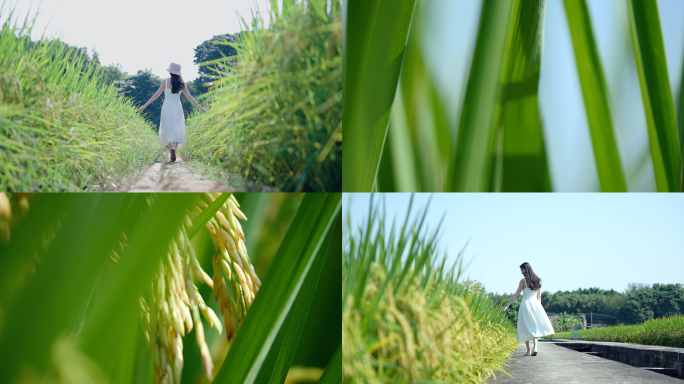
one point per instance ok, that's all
(173, 155)
(528, 353)
(534, 351)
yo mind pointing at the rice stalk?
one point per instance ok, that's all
(406, 316)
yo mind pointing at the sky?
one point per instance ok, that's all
(571, 240)
(140, 34)
(448, 44)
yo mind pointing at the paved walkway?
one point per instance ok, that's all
(555, 364)
(165, 176)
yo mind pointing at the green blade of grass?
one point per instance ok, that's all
(207, 214)
(375, 34)
(655, 92)
(308, 234)
(595, 94)
(521, 154)
(277, 363)
(471, 163)
(117, 302)
(333, 372)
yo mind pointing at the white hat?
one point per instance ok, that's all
(175, 69)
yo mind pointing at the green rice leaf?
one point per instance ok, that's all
(595, 93)
(655, 91)
(277, 363)
(520, 151)
(333, 372)
(375, 33)
(471, 164)
(296, 258)
(207, 214)
(117, 301)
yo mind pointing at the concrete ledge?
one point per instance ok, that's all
(636, 355)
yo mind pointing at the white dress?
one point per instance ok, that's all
(532, 319)
(172, 121)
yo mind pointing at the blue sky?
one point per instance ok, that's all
(139, 34)
(571, 240)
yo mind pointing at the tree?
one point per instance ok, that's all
(139, 88)
(208, 51)
(113, 73)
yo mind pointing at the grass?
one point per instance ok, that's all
(406, 316)
(400, 123)
(144, 262)
(275, 114)
(666, 331)
(61, 128)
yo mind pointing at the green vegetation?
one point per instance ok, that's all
(122, 279)
(403, 137)
(565, 322)
(666, 331)
(275, 111)
(61, 127)
(406, 316)
(610, 307)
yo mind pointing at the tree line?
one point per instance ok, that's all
(629, 307)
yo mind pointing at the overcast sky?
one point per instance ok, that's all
(140, 34)
(571, 240)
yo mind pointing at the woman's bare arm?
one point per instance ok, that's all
(516, 294)
(539, 294)
(155, 96)
(192, 99)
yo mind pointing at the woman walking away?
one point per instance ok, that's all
(172, 120)
(532, 320)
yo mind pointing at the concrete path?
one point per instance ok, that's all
(555, 364)
(165, 176)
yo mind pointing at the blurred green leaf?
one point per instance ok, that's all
(520, 151)
(375, 33)
(333, 372)
(308, 234)
(45, 305)
(656, 94)
(595, 93)
(471, 164)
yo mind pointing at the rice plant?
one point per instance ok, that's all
(406, 315)
(665, 331)
(276, 111)
(122, 280)
(400, 133)
(61, 127)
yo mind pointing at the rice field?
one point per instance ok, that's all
(666, 331)
(275, 112)
(406, 315)
(61, 128)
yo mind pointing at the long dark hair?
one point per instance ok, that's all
(533, 281)
(176, 83)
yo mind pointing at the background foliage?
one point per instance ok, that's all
(629, 307)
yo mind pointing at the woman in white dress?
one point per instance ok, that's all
(172, 120)
(532, 320)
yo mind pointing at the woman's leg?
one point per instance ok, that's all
(536, 340)
(170, 147)
(528, 345)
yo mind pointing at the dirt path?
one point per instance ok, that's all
(165, 176)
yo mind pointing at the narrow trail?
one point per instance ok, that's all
(167, 176)
(555, 364)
